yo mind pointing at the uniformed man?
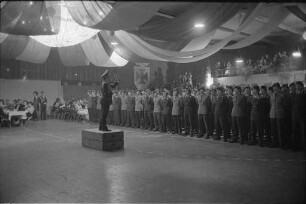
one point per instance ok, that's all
(166, 107)
(123, 97)
(238, 115)
(138, 110)
(277, 114)
(43, 106)
(266, 123)
(220, 113)
(106, 99)
(130, 101)
(148, 106)
(177, 112)
(256, 117)
(190, 108)
(157, 111)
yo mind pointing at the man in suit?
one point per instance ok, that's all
(106, 99)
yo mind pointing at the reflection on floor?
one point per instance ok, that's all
(44, 161)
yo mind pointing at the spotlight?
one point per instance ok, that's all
(199, 25)
(239, 60)
(296, 54)
(114, 43)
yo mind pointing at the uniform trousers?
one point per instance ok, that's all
(277, 130)
(130, 122)
(205, 119)
(123, 117)
(104, 113)
(177, 124)
(189, 121)
(148, 120)
(43, 112)
(238, 127)
(166, 122)
(117, 118)
(90, 113)
(138, 119)
(221, 124)
(157, 120)
(256, 130)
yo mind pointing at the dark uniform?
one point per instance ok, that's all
(257, 115)
(166, 107)
(43, 107)
(177, 113)
(106, 101)
(148, 106)
(238, 118)
(190, 108)
(204, 114)
(220, 113)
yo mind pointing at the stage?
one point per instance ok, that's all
(44, 161)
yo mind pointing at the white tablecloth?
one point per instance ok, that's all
(22, 114)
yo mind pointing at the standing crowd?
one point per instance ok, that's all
(265, 116)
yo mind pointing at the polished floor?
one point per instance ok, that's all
(44, 161)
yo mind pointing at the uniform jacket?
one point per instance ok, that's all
(277, 106)
(89, 99)
(116, 103)
(157, 104)
(177, 105)
(205, 105)
(130, 101)
(107, 92)
(148, 103)
(257, 111)
(138, 103)
(221, 106)
(266, 105)
(166, 105)
(190, 104)
(123, 102)
(239, 106)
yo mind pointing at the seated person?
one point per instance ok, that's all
(30, 110)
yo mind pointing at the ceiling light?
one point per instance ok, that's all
(41, 18)
(23, 22)
(296, 54)
(239, 60)
(114, 43)
(199, 25)
(31, 2)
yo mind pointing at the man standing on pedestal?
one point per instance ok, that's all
(106, 99)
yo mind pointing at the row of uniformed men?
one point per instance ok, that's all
(248, 114)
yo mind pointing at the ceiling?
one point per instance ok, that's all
(158, 30)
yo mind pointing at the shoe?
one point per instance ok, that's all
(233, 141)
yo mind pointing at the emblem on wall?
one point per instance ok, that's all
(142, 75)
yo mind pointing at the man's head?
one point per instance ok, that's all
(276, 87)
(255, 90)
(299, 86)
(237, 90)
(35, 93)
(219, 91)
(263, 90)
(42, 93)
(292, 88)
(285, 88)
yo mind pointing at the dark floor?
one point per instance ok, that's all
(44, 161)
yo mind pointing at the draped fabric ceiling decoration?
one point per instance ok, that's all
(110, 34)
